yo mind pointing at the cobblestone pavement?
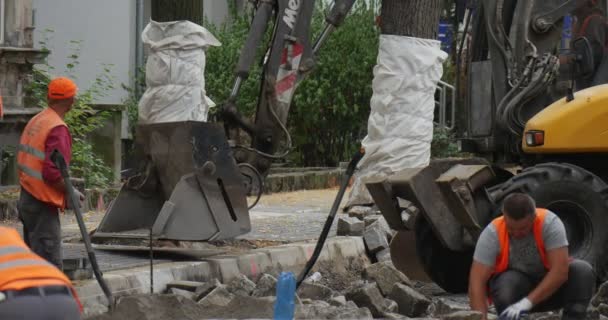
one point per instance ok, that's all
(290, 216)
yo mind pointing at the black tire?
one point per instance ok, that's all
(448, 269)
(579, 198)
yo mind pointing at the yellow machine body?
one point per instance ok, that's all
(578, 126)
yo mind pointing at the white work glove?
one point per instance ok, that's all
(516, 310)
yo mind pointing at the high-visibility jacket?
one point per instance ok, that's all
(20, 268)
(502, 261)
(31, 155)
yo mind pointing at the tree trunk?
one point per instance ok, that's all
(413, 18)
(173, 10)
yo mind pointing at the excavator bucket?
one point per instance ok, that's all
(191, 188)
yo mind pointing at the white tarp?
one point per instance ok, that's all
(400, 125)
(175, 72)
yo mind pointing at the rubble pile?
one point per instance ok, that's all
(381, 293)
(355, 290)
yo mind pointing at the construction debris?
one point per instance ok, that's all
(385, 275)
(348, 226)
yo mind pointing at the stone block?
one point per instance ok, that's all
(386, 276)
(411, 303)
(348, 226)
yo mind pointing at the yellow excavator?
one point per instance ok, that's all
(531, 127)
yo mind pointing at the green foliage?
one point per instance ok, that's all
(83, 119)
(329, 112)
(221, 62)
(443, 144)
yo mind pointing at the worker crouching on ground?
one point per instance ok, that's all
(42, 188)
(521, 264)
(30, 287)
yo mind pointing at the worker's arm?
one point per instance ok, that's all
(555, 277)
(478, 282)
(484, 259)
(58, 139)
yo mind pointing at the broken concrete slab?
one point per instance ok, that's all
(184, 293)
(368, 296)
(219, 297)
(348, 226)
(386, 276)
(265, 287)
(464, 315)
(184, 285)
(375, 239)
(241, 286)
(314, 291)
(411, 303)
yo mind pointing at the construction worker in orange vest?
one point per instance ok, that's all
(30, 287)
(521, 264)
(42, 187)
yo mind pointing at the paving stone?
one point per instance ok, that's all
(601, 296)
(394, 316)
(411, 303)
(348, 226)
(371, 219)
(385, 275)
(184, 285)
(184, 293)
(315, 291)
(205, 289)
(266, 286)
(443, 306)
(338, 301)
(390, 306)
(241, 286)
(368, 296)
(384, 255)
(464, 315)
(360, 212)
(375, 239)
(358, 313)
(219, 296)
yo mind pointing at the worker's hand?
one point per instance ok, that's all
(78, 195)
(515, 311)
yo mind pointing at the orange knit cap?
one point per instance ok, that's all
(62, 88)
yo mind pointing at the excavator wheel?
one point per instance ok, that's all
(579, 198)
(448, 269)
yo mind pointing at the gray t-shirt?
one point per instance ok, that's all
(523, 253)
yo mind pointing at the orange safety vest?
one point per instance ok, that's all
(502, 261)
(20, 268)
(31, 155)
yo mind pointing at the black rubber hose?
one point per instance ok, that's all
(59, 161)
(332, 214)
